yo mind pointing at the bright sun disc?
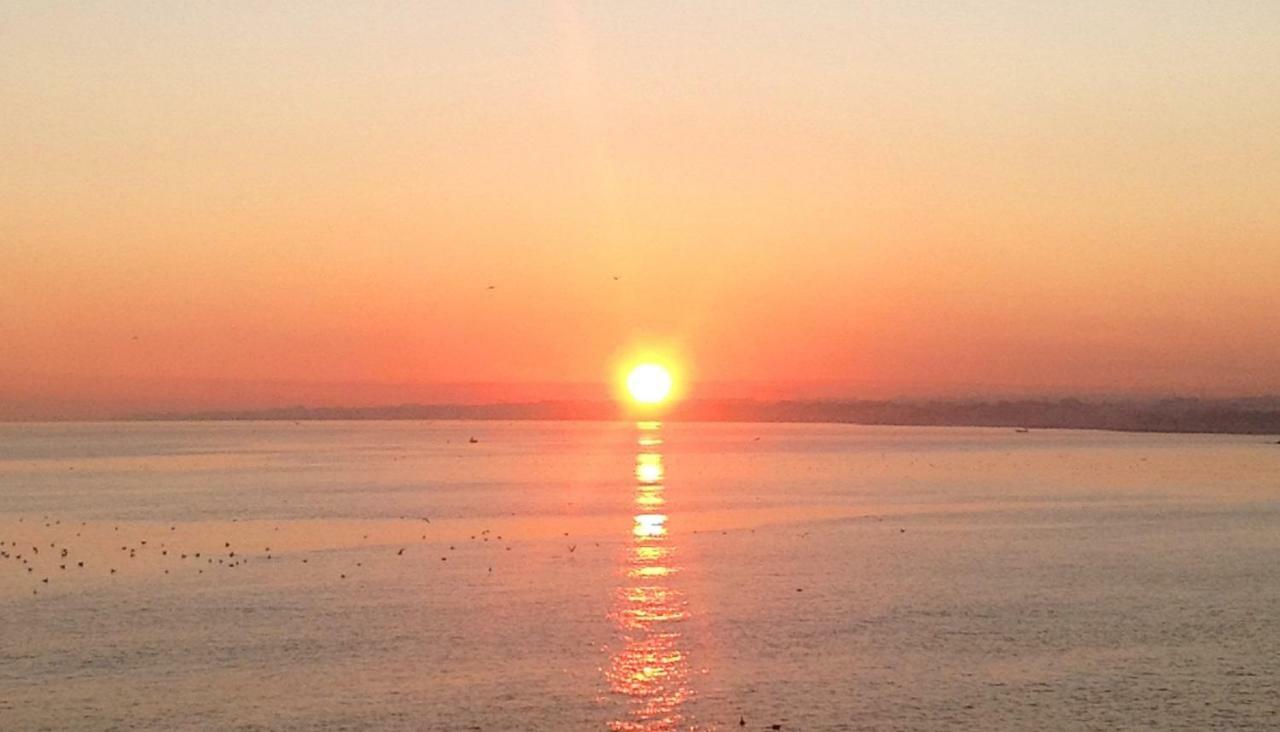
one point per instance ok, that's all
(649, 383)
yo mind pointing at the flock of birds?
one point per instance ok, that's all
(63, 557)
(55, 554)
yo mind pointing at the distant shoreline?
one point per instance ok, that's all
(1245, 416)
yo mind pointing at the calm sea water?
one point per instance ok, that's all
(565, 576)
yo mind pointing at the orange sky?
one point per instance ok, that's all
(242, 206)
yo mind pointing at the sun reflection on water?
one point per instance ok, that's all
(651, 669)
(649, 468)
(650, 526)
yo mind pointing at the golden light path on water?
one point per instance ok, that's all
(651, 668)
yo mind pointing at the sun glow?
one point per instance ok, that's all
(649, 383)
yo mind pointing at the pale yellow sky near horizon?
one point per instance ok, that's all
(916, 196)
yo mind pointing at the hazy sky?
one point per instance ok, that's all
(898, 197)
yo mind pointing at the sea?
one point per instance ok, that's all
(635, 576)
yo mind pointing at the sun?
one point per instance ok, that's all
(649, 383)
